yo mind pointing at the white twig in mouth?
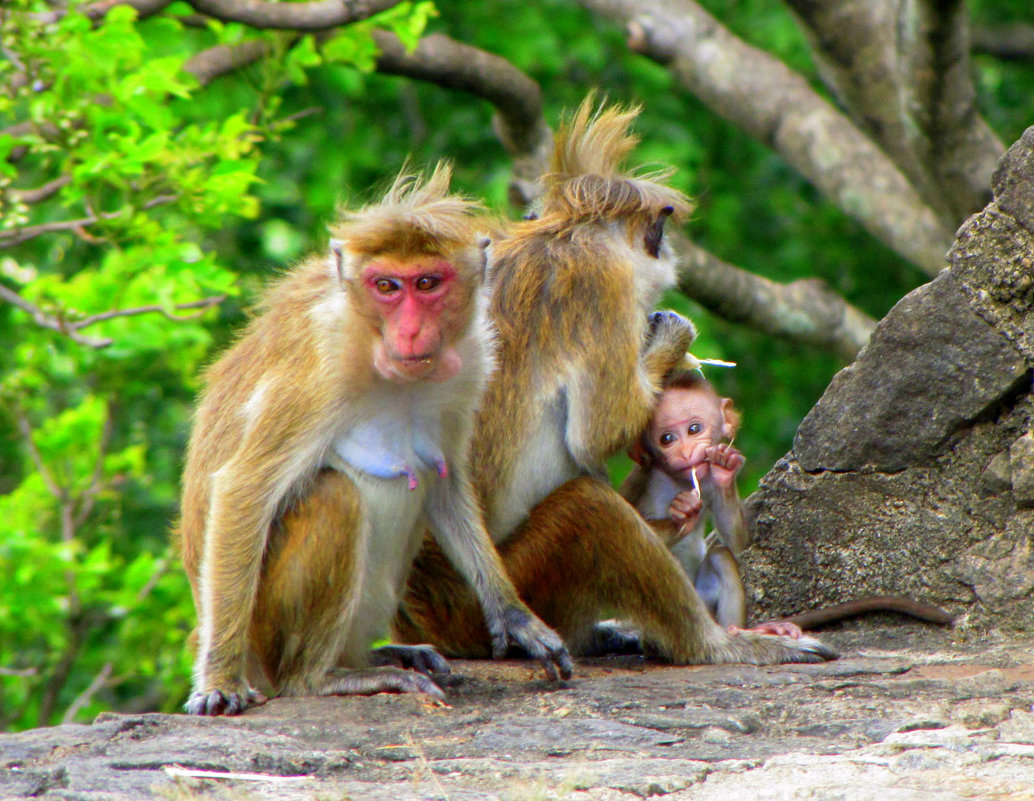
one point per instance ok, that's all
(693, 478)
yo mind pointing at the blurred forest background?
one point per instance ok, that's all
(159, 161)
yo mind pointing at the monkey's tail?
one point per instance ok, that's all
(817, 618)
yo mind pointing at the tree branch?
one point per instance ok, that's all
(41, 193)
(518, 122)
(97, 11)
(805, 311)
(71, 328)
(1007, 42)
(15, 236)
(220, 60)
(316, 15)
(87, 499)
(904, 74)
(87, 695)
(777, 106)
(25, 429)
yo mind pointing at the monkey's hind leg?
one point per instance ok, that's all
(308, 598)
(439, 607)
(586, 554)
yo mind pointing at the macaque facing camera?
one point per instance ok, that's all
(686, 470)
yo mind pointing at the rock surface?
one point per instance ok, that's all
(908, 712)
(914, 473)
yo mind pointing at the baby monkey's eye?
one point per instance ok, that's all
(667, 439)
(694, 429)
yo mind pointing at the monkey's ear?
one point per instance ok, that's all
(640, 453)
(655, 232)
(337, 258)
(730, 419)
(485, 243)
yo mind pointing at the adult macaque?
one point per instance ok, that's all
(686, 469)
(327, 439)
(579, 373)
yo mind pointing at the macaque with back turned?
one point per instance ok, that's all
(685, 471)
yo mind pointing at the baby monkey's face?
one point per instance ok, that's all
(685, 424)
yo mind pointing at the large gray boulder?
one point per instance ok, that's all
(914, 473)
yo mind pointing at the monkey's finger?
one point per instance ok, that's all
(422, 658)
(428, 661)
(214, 703)
(368, 681)
(554, 658)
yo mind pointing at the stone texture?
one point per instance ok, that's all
(908, 712)
(931, 368)
(914, 473)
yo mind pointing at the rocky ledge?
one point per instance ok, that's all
(908, 712)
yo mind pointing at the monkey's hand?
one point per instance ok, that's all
(218, 702)
(685, 509)
(669, 338)
(516, 625)
(725, 462)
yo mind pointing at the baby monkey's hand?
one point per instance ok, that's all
(725, 462)
(685, 509)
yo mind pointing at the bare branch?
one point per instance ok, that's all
(202, 304)
(88, 497)
(765, 98)
(316, 15)
(71, 328)
(15, 236)
(97, 11)
(806, 311)
(220, 60)
(86, 695)
(1007, 42)
(41, 193)
(519, 122)
(22, 673)
(46, 321)
(25, 429)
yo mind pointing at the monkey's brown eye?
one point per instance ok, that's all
(695, 428)
(667, 439)
(386, 285)
(426, 283)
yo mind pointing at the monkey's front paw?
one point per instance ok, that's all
(421, 658)
(669, 330)
(521, 628)
(218, 702)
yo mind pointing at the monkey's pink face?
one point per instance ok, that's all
(685, 424)
(421, 306)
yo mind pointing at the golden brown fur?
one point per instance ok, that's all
(579, 367)
(296, 567)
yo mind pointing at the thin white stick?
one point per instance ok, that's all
(693, 477)
(178, 770)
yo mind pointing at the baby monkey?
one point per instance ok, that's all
(686, 467)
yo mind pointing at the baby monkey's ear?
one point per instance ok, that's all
(730, 419)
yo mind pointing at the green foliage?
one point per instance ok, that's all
(171, 202)
(121, 260)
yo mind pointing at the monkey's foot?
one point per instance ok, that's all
(669, 329)
(785, 627)
(608, 638)
(218, 702)
(422, 658)
(370, 681)
(769, 649)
